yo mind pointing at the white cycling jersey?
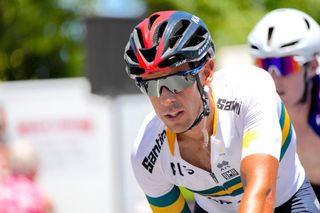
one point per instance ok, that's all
(249, 118)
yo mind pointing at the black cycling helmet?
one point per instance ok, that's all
(167, 39)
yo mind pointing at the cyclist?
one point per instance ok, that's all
(226, 136)
(286, 42)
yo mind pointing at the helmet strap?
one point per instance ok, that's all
(204, 97)
(205, 103)
(306, 84)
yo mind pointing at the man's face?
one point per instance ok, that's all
(288, 76)
(290, 87)
(177, 110)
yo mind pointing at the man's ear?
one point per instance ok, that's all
(208, 72)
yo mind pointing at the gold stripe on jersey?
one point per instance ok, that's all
(286, 130)
(215, 115)
(173, 201)
(171, 137)
(233, 187)
(286, 127)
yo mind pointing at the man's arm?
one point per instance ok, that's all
(259, 176)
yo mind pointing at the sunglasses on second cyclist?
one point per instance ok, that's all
(175, 82)
(281, 66)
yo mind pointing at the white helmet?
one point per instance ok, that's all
(285, 32)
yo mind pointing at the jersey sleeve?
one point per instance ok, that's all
(262, 129)
(162, 195)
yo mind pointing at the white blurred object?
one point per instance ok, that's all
(72, 133)
(230, 55)
(130, 113)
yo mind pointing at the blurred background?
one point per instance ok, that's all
(64, 88)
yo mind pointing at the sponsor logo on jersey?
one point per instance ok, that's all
(219, 201)
(150, 160)
(230, 174)
(226, 172)
(181, 169)
(228, 105)
(224, 165)
(222, 202)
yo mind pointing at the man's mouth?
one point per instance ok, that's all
(173, 115)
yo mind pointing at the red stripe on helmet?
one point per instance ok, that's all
(147, 36)
(143, 26)
(142, 61)
(163, 16)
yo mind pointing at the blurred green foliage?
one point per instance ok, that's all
(39, 39)
(230, 21)
(43, 39)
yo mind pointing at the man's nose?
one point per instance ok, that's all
(166, 96)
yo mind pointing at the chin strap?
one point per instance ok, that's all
(306, 84)
(205, 103)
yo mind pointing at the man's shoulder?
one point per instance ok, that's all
(241, 87)
(242, 77)
(244, 71)
(149, 146)
(152, 133)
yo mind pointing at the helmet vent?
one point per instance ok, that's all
(136, 70)
(289, 44)
(270, 32)
(196, 38)
(149, 54)
(195, 64)
(152, 20)
(254, 47)
(131, 55)
(139, 33)
(177, 32)
(307, 23)
(158, 33)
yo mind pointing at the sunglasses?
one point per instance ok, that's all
(282, 66)
(175, 82)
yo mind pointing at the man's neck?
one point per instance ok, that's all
(299, 114)
(196, 133)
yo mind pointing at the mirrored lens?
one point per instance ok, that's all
(174, 83)
(282, 66)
